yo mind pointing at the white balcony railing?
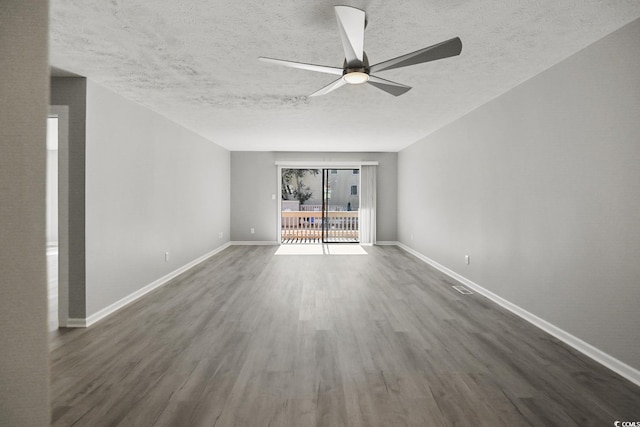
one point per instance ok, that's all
(313, 208)
(307, 226)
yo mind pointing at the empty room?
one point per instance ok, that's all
(416, 213)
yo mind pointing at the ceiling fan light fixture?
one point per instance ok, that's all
(356, 77)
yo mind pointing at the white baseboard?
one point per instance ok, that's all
(585, 348)
(75, 323)
(83, 323)
(254, 243)
(387, 243)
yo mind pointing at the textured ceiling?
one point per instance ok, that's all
(195, 61)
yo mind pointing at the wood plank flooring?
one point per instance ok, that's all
(251, 339)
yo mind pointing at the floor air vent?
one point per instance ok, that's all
(462, 290)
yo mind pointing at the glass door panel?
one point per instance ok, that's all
(340, 205)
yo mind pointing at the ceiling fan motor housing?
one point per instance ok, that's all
(357, 66)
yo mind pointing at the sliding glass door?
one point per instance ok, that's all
(340, 205)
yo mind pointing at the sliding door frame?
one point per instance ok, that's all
(306, 164)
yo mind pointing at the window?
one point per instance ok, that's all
(354, 190)
(356, 171)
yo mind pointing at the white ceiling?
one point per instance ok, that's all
(195, 61)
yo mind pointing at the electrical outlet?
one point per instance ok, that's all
(466, 259)
(166, 256)
(220, 235)
(412, 237)
(253, 230)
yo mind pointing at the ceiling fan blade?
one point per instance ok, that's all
(330, 87)
(351, 25)
(442, 50)
(395, 89)
(303, 66)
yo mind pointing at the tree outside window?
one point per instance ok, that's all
(293, 186)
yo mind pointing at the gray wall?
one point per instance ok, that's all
(151, 186)
(72, 92)
(24, 376)
(254, 179)
(541, 187)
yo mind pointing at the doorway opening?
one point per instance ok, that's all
(57, 216)
(52, 221)
(319, 205)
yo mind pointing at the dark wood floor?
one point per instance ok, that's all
(248, 338)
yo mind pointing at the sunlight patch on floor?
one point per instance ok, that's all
(321, 250)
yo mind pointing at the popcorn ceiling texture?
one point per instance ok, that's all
(195, 62)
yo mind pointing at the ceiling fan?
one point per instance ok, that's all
(356, 68)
